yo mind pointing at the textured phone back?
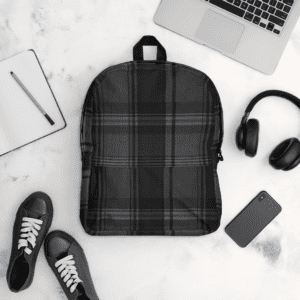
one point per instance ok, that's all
(253, 219)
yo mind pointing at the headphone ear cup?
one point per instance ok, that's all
(293, 165)
(286, 155)
(239, 138)
(251, 139)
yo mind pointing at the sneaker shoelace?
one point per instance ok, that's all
(66, 266)
(31, 227)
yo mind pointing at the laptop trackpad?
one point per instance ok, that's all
(220, 31)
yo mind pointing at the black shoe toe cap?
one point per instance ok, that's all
(38, 203)
(57, 244)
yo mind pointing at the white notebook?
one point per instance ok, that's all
(21, 122)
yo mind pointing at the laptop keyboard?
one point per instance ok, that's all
(268, 14)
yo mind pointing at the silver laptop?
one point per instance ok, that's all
(253, 32)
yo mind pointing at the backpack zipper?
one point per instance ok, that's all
(219, 151)
(220, 156)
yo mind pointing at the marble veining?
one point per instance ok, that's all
(75, 40)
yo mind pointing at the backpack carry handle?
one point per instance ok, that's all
(149, 40)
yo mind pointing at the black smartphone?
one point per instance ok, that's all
(253, 219)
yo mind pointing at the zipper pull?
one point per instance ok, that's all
(220, 156)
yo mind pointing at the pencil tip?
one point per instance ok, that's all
(11, 73)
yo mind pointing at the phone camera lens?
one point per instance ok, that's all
(262, 197)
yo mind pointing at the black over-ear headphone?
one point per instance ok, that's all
(286, 155)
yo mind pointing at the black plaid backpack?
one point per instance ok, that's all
(151, 136)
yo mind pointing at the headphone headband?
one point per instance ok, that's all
(268, 93)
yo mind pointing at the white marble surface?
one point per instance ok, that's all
(75, 40)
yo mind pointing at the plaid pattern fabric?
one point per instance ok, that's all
(149, 138)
